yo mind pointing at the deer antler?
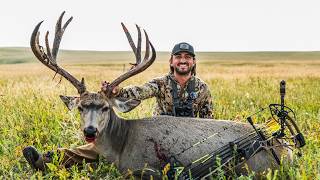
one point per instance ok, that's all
(49, 58)
(139, 66)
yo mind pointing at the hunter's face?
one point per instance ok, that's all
(182, 63)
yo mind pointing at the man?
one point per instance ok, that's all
(179, 93)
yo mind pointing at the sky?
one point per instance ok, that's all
(209, 25)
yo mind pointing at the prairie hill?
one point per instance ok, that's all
(17, 55)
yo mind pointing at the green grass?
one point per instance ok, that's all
(31, 112)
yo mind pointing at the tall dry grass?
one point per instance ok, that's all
(32, 114)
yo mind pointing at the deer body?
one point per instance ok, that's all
(133, 144)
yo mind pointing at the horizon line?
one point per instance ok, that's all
(205, 51)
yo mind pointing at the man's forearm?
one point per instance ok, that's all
(145, 91)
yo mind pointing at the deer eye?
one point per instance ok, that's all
(105, 108)
(80, 109)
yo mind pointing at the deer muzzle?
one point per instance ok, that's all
(90, 133)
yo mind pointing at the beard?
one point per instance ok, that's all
(183, 72)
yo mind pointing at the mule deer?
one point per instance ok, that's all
(132, 144)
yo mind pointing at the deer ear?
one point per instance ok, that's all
(125, 105)
(70, 101)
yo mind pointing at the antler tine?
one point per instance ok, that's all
(49, 58)
(133, 46)
(58, 35)
(146, 56)
(138, 57)
(34, 42)
(137, 69)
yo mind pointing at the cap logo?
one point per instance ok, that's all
(184, 46)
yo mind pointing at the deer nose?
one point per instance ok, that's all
(90, 131)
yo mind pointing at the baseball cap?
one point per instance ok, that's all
(183, 47)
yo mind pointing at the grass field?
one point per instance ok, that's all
(31, 112)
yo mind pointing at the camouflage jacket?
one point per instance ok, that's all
(161, 89)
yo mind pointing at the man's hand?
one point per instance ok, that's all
(105, 85)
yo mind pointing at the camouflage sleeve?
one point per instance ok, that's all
(148, 90)
(206, 105)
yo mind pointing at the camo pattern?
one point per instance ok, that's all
(161, 89)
